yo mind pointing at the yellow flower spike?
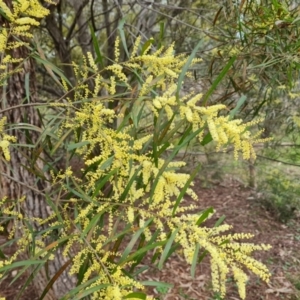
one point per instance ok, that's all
(92, 62)
(213, 129)
(5, 140)
(136, 47)
(130, 214)
(24, 5)
(146, 86)
(3, 39)
(27, 21)
(6, 10)
(112, 88)
(4, 145)
(157, 103)
(117, 49)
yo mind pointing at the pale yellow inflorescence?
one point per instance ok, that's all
(5, 140)
(20, 18)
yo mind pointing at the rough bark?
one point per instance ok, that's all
(18, 177)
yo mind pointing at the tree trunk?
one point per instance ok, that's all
(18, 177)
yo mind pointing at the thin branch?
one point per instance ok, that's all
(93, 16)
(78, 13)
(22, 105)
(277, 160)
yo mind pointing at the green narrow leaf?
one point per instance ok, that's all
(240, 102)
(134, 239)
(28, 281)
(21, 264)
(172, 250)
(91, 225)
(53, 68)
(154, 257)
(78, 191)
(139, 271)
(266, 64)
(156, 133)
(167, 249)
(146, 45)
(205, 215)
(161, 34)
(54, 208)
(126, 231)
(74, 146)
(220, 221)
(195, 260)
(202, 256)
(128, 186)
(96, 47)
(140, 257)
(218, 80)
(167, 136)
(9, 243)
(184, 189)
(79, 288)
(157, 284)
(259, 107)
(61, 140)
(2, 256)
(207, 139)
(122, 35)
(136, 295)
(186, 67)
(142, 250)
(19, 274)
(101, 184)
(137, 110)
(83, 294)
(83, 268)
(27, 91)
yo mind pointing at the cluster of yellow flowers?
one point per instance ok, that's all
(20, 18)
(222, 129)
(116, 285)
(5, 140)
(226, 254)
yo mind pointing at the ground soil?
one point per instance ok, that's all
(244, 211)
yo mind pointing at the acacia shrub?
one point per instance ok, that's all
(129, 200)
